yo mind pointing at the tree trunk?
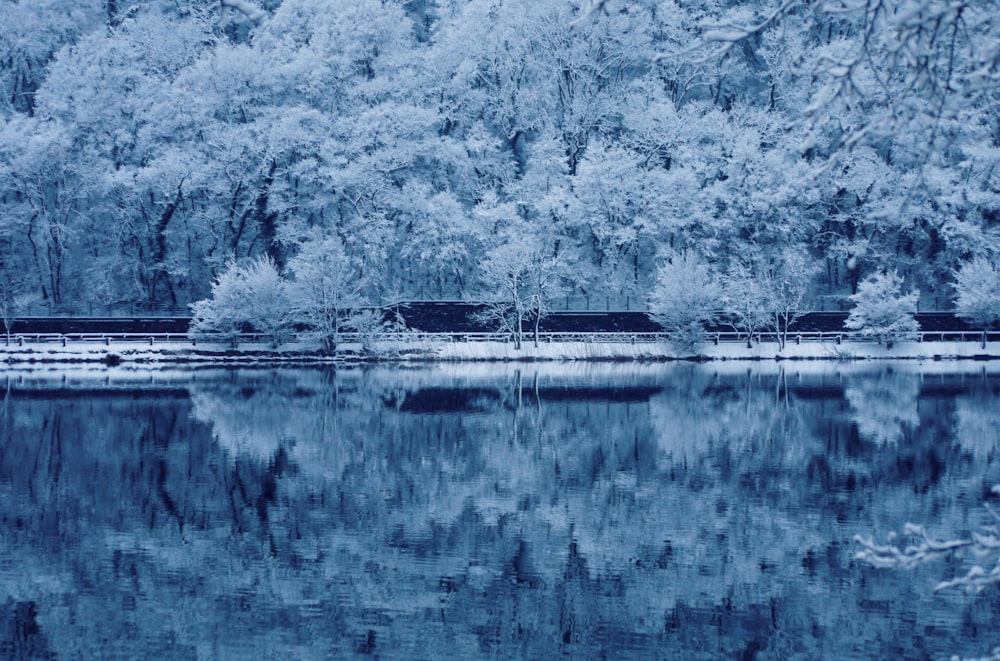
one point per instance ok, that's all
(268, 220)
(159, 256)
(519, 329)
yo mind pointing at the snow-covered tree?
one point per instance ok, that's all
(504, 279)
(685, 298)
(745, 298)
(787, 280)
(41, 185)
(326, 290)
(15, 299)
(252, 297)
(30, 34)
(551, 269)
(882, 311)
(977, 284)
(519, 278)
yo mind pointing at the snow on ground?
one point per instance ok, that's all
(177, 352)
(723, 351)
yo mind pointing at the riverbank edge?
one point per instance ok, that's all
(483, 351)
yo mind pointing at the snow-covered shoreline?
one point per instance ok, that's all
(481, 351)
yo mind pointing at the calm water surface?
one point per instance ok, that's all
(489, 511)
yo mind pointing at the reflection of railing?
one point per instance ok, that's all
(410, 336)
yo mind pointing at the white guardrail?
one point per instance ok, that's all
(20, 339)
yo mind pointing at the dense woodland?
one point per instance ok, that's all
(146, 147)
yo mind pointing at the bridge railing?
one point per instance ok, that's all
(107, 339)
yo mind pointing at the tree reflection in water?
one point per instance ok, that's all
(667, 511)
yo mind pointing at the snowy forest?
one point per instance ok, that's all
(423, 149)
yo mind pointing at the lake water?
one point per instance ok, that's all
(670, 511)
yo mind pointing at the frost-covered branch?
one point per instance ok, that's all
(904, 62)
(728, 35)
(916, 547)
(894, 555)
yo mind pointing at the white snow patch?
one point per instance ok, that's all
(41, 354)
